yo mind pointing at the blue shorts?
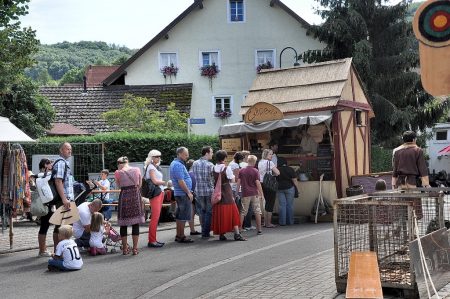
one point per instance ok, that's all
(183, 212)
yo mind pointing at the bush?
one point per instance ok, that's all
(136, 145)
(381, 159)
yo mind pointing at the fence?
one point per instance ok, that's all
(87, 157)
(384, 224)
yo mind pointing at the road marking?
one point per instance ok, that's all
(187, 276)
(236, 284)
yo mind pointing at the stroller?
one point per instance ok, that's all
(113, 241)
(82, 191)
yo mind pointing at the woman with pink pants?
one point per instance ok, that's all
(153, 171)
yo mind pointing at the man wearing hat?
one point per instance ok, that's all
(82, 228)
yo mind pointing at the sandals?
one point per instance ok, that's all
(135, 251)
(126, 250)
(238, 237)
(183, 239)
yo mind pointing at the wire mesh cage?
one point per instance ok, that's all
(383, 223)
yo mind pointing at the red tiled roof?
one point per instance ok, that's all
(83, 109)
(65, 129)
(96, 74)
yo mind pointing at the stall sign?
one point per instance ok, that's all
(261, 112)
(231, 144)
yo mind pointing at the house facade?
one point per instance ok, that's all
(238, 37)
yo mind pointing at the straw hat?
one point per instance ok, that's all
(63, 216)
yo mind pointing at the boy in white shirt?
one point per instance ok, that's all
(105, 185)
(66, 257)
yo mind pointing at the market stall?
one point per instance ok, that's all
(320, 118)
(13, 173)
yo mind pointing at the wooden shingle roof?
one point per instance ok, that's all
(311, 87)
(83, 109)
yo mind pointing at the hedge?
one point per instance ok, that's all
(381, 159)
(135, 145)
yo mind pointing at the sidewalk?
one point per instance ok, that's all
(26, 232)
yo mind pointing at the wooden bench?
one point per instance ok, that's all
(363, 276)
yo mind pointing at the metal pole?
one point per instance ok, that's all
(189, 126)
(296, 56)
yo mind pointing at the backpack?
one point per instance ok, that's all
(51, 182)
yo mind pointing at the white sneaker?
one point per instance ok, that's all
(44, 254)
(251, 228)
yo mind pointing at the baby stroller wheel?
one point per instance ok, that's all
(113, 250)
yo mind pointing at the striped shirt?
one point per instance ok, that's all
(202, 170)
(59, 170)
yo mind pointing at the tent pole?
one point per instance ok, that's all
(11, 234)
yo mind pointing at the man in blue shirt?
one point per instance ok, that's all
(182, 185)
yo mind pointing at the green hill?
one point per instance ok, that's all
(54, 61)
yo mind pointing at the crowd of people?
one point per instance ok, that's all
(240, 184)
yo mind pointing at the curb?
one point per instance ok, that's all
(51, 244)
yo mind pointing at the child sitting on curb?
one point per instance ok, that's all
(66, 257)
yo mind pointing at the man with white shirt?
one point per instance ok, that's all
(82, 228)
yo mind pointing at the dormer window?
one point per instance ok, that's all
(236, 11)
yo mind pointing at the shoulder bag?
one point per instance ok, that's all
(148, 188)
(217, 194)
(269, 181)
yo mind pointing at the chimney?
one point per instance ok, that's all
(84, 83)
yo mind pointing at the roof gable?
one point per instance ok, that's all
(96, 74)
(310, 87)
(198, 4)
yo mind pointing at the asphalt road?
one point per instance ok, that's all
(174, 271)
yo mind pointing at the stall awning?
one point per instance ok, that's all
(240, 128)
(444, 152)
(10, 133)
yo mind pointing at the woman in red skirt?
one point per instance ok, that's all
(225, 214)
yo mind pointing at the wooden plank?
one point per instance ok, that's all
(363, 276)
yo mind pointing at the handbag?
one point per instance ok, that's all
(37, 206)
(295, 191)
(217, 194)
(148, 188)
(269, 181)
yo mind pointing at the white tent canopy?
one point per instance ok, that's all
(10, 133)
(240, 128)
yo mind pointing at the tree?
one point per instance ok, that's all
(385, 54)
(19, 98)
(137, 114)
(73, 76)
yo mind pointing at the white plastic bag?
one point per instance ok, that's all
(43, 188)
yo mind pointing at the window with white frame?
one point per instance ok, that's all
(167, 59)
(209, 58)
(264, 57)
(222, 103)
(236, 11)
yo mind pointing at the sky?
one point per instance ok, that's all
(130, 23)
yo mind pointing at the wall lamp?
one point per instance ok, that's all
(296, 57)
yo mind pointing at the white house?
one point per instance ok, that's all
(235, 35)
(438, 148)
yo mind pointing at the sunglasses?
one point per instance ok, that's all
(121, 162)
(156, 156)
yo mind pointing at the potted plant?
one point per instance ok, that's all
(209, 71)
(222, 114)
(169, 70)
(264, 66)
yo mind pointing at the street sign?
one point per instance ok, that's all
(197, 121)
